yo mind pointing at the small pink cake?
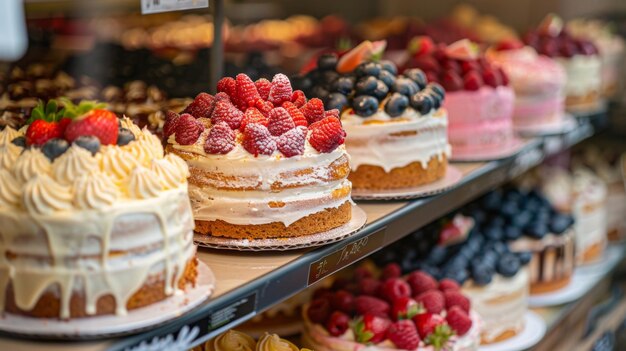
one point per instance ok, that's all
(538, 81)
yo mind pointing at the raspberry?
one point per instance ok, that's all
(188, 130)
(432, 300)
(280, 121)
(292, 142)
(171, 121)
(257, 140)
(264, 107)
(227, 85)
(458, 320)
(332, 113)
(373, 305)
(421, 282)
(247, 94)
(263, 86)
(455, 298)
(326, 135)
(395, 288)
(313, 110)
(222, 96)
(342, 301)
(281, 89)
(296, 114)
(298, 98)
(220, 140)
(448, 284)
(201, 106)
(369, 286)
(252, 115)
(362, 272)
(392, 270)
(338, 323)
(225, 112)
(319, 311)
(404, 335)
(322, 293)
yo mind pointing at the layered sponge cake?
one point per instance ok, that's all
(95, 219)
(264, 161)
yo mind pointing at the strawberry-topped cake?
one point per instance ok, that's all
(390, 312)
(265, 162)
(95, 218)
(579, 57)
(397, 130)
(479, 99)
(538, 81)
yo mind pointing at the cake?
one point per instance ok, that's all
(234, 340)
(578, 57)
(391, 312)
(264, 161)
(96, 220)
(538, 81)
(479, 100)
(395, 124)
(486, 28)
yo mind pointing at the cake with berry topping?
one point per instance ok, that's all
(538, 81)
(478, 98)
(391, 312)
(96, 220)
(397, 132)
(264, 161)
(578, 57)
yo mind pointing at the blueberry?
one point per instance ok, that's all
(381, 90)
(124, 136)
(389, 66)
(492, 200)
(521, 219)
(54, 148)
(509, 209)
(336, 101)
(327, 62)
(457, 262)
(422, 103)
(416, 75)
(560, 223)
(433, 271)
(525, 257)
(460, 276)
(343, 85)
(479, 216)
(405, 86)
(387, 78)
(512, 232)
(437, 88)
(396, 105)
(301, 83)
(482, 274)
(500, 248)
(364, 105)
(368, 69)
(498, 221)
(490, 258)
(328, 77)
(494, 233)
(19, 141)
(508, 265)
(437, 100)
(437, 255)
(319, 92)
(88, 142)
(366, 86)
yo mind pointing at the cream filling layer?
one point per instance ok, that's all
(583, 74)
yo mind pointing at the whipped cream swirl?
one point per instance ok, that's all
(232, 340)
(75, 162)
(8, 155)
(273, 342)
(117, 163)
(32, 162)
(96, 191)
(9, 190)
(170, 174)
(7, 135)
(144, 183)
(42, 195)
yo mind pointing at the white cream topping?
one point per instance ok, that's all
(42, 195)
(96, 191)
(30, 163)
(583, 74)
(9, 190)
(7, 135)
(169, 173)
(116, 162)
(8, 155)
(144, 183)
(75, 162)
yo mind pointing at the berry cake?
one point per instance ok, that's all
(264, 161)
(396, 128)
(478, 98)
(391, 313)
(579, 58)
(538, 81)
(95, 220)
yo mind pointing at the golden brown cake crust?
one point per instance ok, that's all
(592, 253)
(314, 223)
(545, 287)
(375, 177)
(153, 291)
(507, 334)
(589, 101)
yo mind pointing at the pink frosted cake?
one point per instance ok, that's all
(538, 81)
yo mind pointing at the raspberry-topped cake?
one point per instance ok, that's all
(478, 98)
(579, 57)
(395, 124)
(391, 312)
(265, 162)
(95, 219)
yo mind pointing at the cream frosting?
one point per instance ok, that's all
(75, 162)
(583, 74)
(8, 155)
(114, 161)
(168, 172)
(9, 190)
(144, 183)
(30, 163)
(95, 191)
(42, 195)
(7, 135)
(232, 340)
(273, 342)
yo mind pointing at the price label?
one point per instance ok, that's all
(156, 6)
(346, 255)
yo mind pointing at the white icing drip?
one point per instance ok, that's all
(75, 162)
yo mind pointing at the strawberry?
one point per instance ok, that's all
(427, 323)
(318, 311)
(252, 115)
(448, 284)
(220, 140)
(509, 44)
(404, 308)
(313, 110)
(90, 119)
(455, 298)
(505, 78)
(459, 320)
(298, 98)
(470, 65)
(369, 304)
(404, 335)
(257, 140)
(296, 114)
(421, 45)
(292, 142)
(224, 111)
(264, 106)
(432, 301)
(421, 282)
(338, 323)
(171, 121)
(40, 131)
(391, 270)
(492, 77)
(432, 77)
(281, 90)
(263, 86)
(45, 123)
(426, 64)
(188, 130)
(342, 301)
(326, 135)
(450, 232)
(63, 123)
(472, 81)
(452, 65)
(371, 329)
(228, 86)
(247, 94)
(369, 286)
(395, 288)
(201, 106)
(279, 121)
(451, 81)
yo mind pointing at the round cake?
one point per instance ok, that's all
(264, 161)
(234, 340)
(96, 220)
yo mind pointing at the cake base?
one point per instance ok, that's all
(588, 102)
(314, 223)
(507, 334)
(542, 288)
(592, 254)
(376, 178)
